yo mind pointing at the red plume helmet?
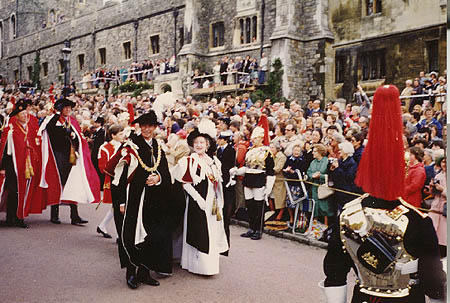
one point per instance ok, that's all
(264, 123)
(130, 111)
(381, 172)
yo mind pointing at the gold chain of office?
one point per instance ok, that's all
(144, 166)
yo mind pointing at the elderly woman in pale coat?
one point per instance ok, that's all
(279, 190)
(439, 217)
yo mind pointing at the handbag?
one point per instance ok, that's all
(324, 191)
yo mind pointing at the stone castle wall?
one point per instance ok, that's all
(306, 35)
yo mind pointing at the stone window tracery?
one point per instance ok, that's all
(80, 61)
(102, 55)
(248, 29)
(373, 65)
(373, 7)
(127, 50)
(339, 69)
(61, 66)
(45, 69)
(30, 73)
(433, 55)
(217, 34)
(154, 44)
(13, 26)
(52, 17)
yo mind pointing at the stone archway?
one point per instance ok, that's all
(165, 88)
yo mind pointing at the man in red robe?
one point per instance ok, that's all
(68, 175)
(20, 167)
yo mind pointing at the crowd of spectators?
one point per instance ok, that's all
(143, 71)
(228, 71)
(434, 86)
(323, 141)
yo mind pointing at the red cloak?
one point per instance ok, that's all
(21, 146)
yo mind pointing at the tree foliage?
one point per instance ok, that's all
(273, 87)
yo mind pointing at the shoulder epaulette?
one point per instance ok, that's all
(423, 215)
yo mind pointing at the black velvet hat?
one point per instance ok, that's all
(61, 103)
(207, 130)
(20, 105)
(147, 119)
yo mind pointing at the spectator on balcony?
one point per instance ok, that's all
(216, 72)
(441, 88)
(253, 69)
(230, 69)
(223, 70)
(172, 63)
(263, 65)
(407, 91)
(417, 90)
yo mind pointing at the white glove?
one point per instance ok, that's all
(232, 182)
(233, 171)
(195, 195)
(334, 294)
(241, 171)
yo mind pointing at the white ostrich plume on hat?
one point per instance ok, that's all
(207, 127)
(164, 102)
(258, 132)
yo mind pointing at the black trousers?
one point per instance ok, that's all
(254, 209)
(54, 213)
(11, 187)
(118, 220)
(229, 206)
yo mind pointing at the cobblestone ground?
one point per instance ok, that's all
(65, 263)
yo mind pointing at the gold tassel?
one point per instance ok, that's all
(214, 207)
(73, 156)
(28, 168)
(219, 216)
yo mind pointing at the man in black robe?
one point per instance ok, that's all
(227, 156)
(146, 233)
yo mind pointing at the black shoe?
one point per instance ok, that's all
(248, 234)
(132, 282)
(143, 276)
(9, 223)
(20, 223)
(55, 221)
(256, 236)
(105, 234)
(79, 221)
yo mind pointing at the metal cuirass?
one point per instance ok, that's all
(256, 157)
(373, 238)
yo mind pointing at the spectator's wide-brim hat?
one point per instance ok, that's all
(61, 103)
(206, 129)
(20, 105)
(147, 119)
